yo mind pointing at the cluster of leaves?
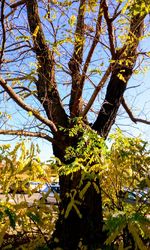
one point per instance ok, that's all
(23, 215)
(127, 174)
(139, 7)
(122, 165)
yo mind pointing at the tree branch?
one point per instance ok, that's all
(76, 61)
(136, 29)
(26, 107)
(93, 46)
(27, 133)
(129, 112)
(15, 5)
(116, 12)
(26, 77)
(97, 90)
(3, 31)
(110, 29)
(46, 85)
(121, 74)
(24, 90)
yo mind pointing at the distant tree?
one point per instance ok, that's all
(56, 58)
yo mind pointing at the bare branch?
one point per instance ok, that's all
(10, 13)
(93, 46)
(17, 48)
(3, 30)
(27, 133)
(46, 85)
(26, 107)
(24, 90)
(129, 112)
(116, 12)
(110, 29)
(15, 5)
(76, 61)
(26, 77)
(96, 91)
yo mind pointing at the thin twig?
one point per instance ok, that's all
(93, 46)
(27, 133)
(129, 112)
(26, 107)
(110, 29)
(97, 90)
(3, 30)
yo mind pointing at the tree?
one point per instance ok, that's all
(49, 46)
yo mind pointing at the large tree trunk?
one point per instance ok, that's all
(74, 229)
(88, 229)
(86, 226)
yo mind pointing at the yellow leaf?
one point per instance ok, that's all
(77, 211)
(3, 230)
(36, 31)
(72, 20)
(84, 190)
(69, 207)
(121, 77)
(30, 113)
(136, 236)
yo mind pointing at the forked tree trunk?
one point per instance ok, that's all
(88, 229)
(71, 229)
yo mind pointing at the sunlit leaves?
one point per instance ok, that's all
(121, 77)
(115, 225)
(72, 20)
(119, 165)
(18, 215)
(121, 222)
(30, 113)
(134, 231)
(91, 5)
(140, 7)
(23, 37)
(122, 168)
(36, 31)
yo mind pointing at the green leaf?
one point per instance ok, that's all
(136, 236)
(1, 215)
(12, 217)
(34, 217)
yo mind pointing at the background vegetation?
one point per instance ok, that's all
(122, 166)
